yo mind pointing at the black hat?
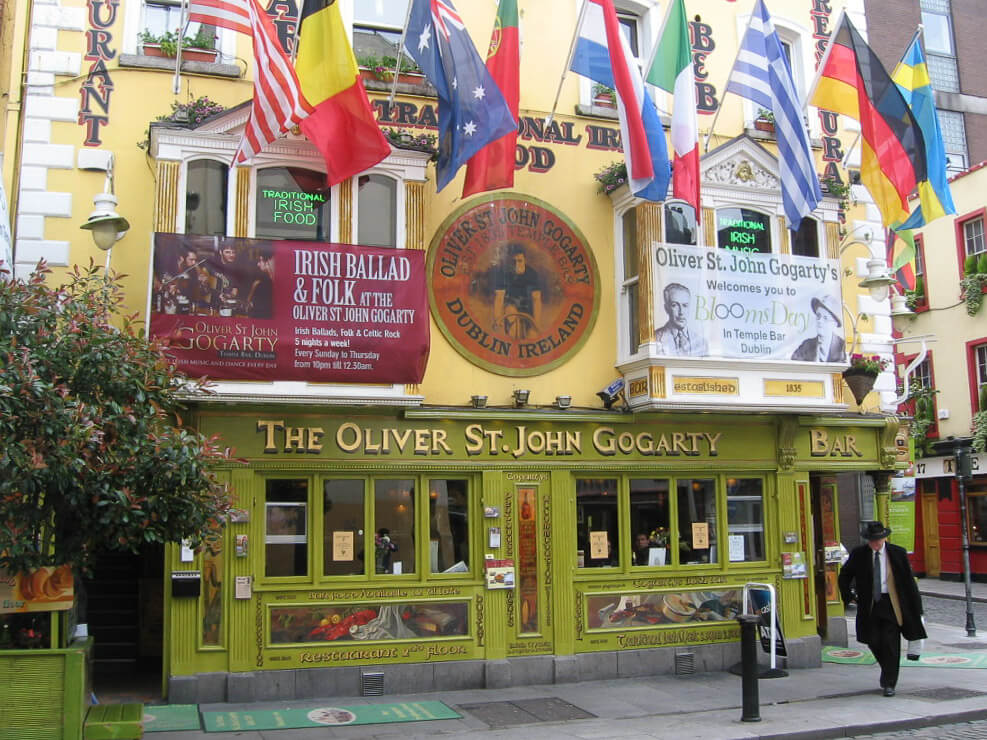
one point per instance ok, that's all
(874, 531)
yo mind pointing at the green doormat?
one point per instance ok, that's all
(863, 656)
(366, 714)
(831, 654)
(171, 717)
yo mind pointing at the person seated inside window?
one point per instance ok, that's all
(642, 544)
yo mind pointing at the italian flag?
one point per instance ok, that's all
(671, 70)
(492, 167)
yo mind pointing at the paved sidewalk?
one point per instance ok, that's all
(833, 701)
(952, 589)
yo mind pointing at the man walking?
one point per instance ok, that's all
(878, 576)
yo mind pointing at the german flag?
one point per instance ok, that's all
(852, 82)
(343, 126)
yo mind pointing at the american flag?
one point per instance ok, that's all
(278, 101)
(223, 13)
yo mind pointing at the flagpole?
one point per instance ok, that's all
(822, 62)
(404, 34)
(176, 85)
(298, 30)
(568, 61)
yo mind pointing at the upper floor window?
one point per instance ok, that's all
(205, 197)
(163, 18)
(922, 374)
(377, 27)
(680, 223)
(743, 230)
(938, 39)
(292, 203)
(980, 358)
(377, 211)
(629, 285)
(629, 27)
(954, 139)
(973, 236)
(805, 241)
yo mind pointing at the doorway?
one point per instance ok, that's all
(124, 611)
(930, 530)
(826, 547)
(529, 617)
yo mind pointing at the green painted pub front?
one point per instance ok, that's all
(432, 549)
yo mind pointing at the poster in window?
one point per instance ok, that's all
(342, 546)
(598, 545)
(251, 309)
(700, 535)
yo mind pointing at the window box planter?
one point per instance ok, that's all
(760, 124)
(188, 54)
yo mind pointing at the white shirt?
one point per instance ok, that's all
(883, 555)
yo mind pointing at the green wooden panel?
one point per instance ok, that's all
(115, 721)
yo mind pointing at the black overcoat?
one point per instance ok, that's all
(858, 574)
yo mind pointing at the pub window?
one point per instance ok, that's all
(697, 520)
(629, 286)
(650, 524)
(343, 527)
(394, 526)
(977, 497)
(292, 203)
(743, 230)
(448, 517)
(286, 528)
(377, 211)
(680, 223)
(597, 526)
(805, 241)
(205, 197)
(745, 519)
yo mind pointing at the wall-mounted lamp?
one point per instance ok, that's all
(479, 402)
(878, 280)
(563, 402)
(520, 398)
(107, 226)
(899, 306)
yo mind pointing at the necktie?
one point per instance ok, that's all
(821, 353)
(680, 341)
(877, 576)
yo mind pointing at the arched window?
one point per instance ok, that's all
(680, 223)
(292, 203)
(743, 230)
(805, 241)
(377, 197)
(205, 197)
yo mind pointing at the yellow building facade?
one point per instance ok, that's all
(502, 497)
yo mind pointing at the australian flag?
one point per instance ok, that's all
(472, 110)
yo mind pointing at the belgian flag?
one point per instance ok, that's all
(852, 82)
(342, 126)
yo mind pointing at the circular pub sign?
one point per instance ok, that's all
(513, 286)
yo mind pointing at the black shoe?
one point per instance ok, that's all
(888, 691)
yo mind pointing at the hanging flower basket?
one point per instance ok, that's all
(860, 383)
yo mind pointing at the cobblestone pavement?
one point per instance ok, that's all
(953, 613)
(962, 731)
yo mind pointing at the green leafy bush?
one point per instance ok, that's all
(94, 454)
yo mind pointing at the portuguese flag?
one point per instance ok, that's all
(852, 81)
(492, 167)
(343, 126)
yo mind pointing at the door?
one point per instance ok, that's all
(823, 491)
(529, 618)
(930, 534)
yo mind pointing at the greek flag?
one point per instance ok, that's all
(762, 75)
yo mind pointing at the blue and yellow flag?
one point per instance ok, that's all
(912, 78)
(901, 257)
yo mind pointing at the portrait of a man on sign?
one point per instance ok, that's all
(677, 337)
(827, 343)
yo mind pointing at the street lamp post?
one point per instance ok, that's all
(964, 471)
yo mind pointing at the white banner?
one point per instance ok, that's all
(722, 303)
